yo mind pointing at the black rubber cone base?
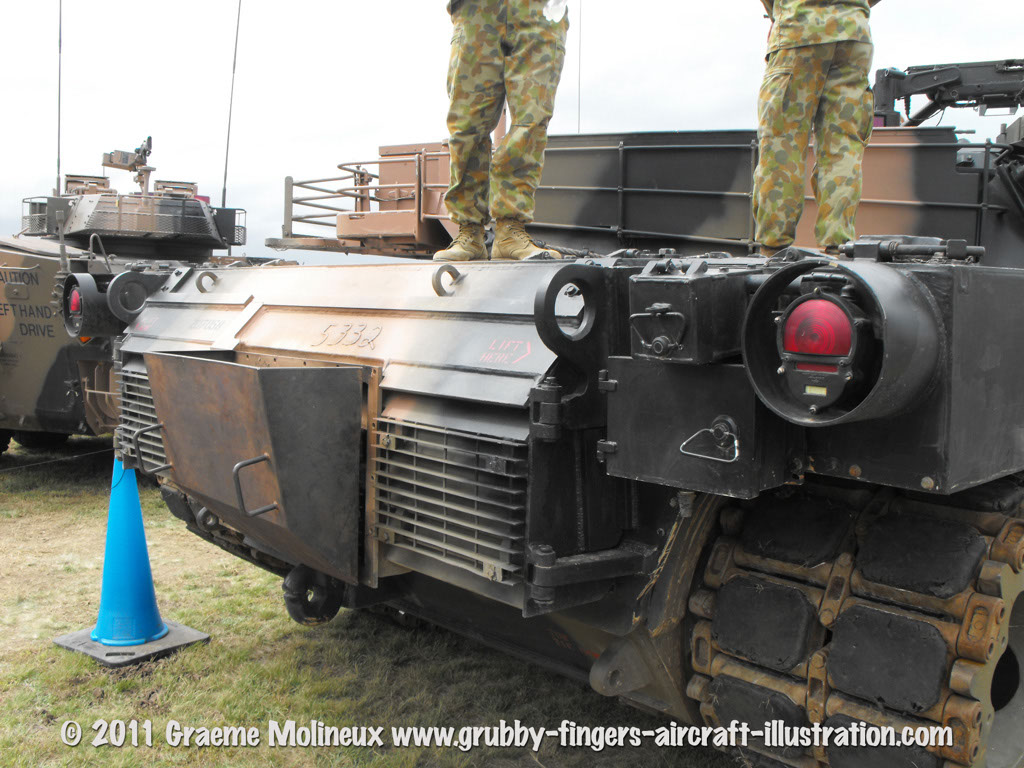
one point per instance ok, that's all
(178, 636)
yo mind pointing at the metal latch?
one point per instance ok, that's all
(605, 447)
(722, 437)
(660, 330)
(605, 384)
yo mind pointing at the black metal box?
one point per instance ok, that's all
(701, 428)
(691, 316)
(966, 428)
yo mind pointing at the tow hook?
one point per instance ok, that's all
(310, 597)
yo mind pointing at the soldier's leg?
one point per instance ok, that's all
(787, 103)
(477, 92)
(533, 66)
(842, 128)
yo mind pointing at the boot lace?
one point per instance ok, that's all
(521, 236)
(465, 238)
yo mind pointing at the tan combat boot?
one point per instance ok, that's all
(468, 245)
(512, 242)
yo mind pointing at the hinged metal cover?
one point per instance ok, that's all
(305, 421)
(700, 428)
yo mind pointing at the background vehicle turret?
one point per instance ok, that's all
(50, 386)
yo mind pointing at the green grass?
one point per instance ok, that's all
(358, 670)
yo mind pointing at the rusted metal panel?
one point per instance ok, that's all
(299, 431)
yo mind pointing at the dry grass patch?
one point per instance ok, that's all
(357, 670)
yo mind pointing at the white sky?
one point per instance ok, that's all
(325, 81)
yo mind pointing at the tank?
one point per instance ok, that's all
(50, 386)
(713, 485)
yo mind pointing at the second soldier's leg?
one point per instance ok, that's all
(842, 128)
(787, 103)
(533, 67)
(477, 91)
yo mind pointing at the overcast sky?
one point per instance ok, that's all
(325, 81)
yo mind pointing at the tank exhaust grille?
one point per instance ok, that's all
(453, 496)
(137, 412)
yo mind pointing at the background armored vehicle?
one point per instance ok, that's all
(717, 486)
(51, 386)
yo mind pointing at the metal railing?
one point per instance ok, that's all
(33, 216)
(358, 184)
(363, 187)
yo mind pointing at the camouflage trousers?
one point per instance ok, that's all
(502, 49)
(824, 87)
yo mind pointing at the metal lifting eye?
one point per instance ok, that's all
(437, 280)
(206, 281)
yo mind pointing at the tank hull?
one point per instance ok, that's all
(501, 450)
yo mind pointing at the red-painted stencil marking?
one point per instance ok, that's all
(505, 352)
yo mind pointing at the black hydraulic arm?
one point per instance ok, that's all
(985, 84)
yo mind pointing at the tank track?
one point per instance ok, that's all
(844, 607)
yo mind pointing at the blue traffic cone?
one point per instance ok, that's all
(129, 629)
(128, 612)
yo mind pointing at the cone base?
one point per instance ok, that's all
(178, 636)
(162, 632)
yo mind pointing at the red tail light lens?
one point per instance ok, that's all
(75, 301)
(818, 327)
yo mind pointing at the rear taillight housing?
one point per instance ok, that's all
(818, 327)
(829, 342)
(819, 346)
(84, 306)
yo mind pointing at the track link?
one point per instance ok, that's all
(898, 613)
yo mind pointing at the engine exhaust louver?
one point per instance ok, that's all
(452, 496)
(138, 412)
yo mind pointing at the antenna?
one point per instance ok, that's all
(579, 70)
(231, 104)
(60, 61)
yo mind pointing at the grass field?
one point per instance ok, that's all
(259, 665)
